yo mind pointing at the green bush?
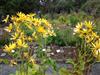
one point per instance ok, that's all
(62, 19)
(63, 24)
(63, 37)
(74, 18)
(68, 19)
(55, 40)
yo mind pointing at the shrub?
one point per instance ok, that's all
(66, 37)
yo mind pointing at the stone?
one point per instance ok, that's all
(3, 34)
(3, 54)
(1, 31)
(96, 68)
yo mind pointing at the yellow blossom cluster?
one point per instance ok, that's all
(21, 22)
(85, 30)
(96, 49)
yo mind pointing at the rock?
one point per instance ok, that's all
(96, 68)
(6, 69)
(3, 34)
(3, 54)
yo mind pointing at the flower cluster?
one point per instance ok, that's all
(96, 49)
(20, 23)
(85, 30)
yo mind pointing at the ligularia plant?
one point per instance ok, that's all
(19, 47)
(38, 27)
(86, 30)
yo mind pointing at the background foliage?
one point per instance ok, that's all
(51, 6)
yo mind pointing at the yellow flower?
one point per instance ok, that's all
(22, 36)
(6, 19)
(34, 35)
(78, 28)
(9, 28)
(89, 38)
(84, 28)
(36, 22)
(13, 62)
(51, 33)
(81, 35)
(41, 29)
(26, 54)
(21, 43)
(88, 24)
(96, 54)
(84, 31)
(32, 60)
(45, 22)
(15, 36)
(21, 15)
(31, 15)
(96, 49)
(96, 45)
(29, 38)
(95, 35)
(10, 47)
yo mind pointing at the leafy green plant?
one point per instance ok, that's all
(66, 37)
(64, 71)
(62, 19)
(73, 20)
(78, 65)
(30, 71)
(55, 40)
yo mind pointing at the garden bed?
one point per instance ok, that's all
(60, 54)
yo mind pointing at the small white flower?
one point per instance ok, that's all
(58, 50)
(74, 33)
(3, 54)
(44, 50)
(52, 53)
(13, 51)
(75, 30)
